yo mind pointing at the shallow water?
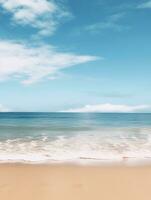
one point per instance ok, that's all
(74, 137)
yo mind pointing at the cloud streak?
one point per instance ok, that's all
(112, 22)
(107, 108)
(145, 5)
(43, 15)
(33, 63)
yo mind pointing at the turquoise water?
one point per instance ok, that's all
(74, 137)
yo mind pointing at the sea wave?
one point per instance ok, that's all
(125, 145)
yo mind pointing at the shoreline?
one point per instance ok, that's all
(84, 162)
(64, 181)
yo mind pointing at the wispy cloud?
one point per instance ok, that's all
(109, 108)
(3, 108)
(33, 63)
(112, 22)
(43, 15)
(144, 5)
(112, 95)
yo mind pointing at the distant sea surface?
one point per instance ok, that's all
(74, 137)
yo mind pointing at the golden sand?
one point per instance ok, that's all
(61, 182)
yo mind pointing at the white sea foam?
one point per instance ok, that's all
(82, 148)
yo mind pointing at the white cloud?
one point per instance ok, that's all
(3, 109)
(36, 62)
(43, 15)
(145, 5)
(109, 108)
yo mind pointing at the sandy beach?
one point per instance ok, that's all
(55, 182)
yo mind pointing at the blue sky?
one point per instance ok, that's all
(75, 55)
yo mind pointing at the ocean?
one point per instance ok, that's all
(75, 137)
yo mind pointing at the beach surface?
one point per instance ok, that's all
(71, 182)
